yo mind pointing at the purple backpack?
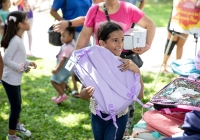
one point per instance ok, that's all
(114, 90)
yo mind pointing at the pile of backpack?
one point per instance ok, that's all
(176, 113)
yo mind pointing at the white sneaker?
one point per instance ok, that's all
(21, 129)
(13, 137)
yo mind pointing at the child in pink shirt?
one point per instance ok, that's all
(60, 73)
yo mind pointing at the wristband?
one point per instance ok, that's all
(148, 46)
(69, 23)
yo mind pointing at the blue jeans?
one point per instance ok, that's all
(105, 130)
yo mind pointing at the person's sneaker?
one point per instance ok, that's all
(61, 98)
(13, 137)
(21, 129)
(54, 99)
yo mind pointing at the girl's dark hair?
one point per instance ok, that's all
(71, 30)
(11, 27)
(2, 1)
(104, 30)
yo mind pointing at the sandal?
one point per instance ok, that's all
(75, 94)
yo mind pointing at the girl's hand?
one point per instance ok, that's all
(21, 68)
(27, 69)
(128, 65)
(60, 26)
(55, 71)
(33, 65)
(89, 90)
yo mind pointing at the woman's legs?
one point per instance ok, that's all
(14, 97)
(180, 43)
(171, 47)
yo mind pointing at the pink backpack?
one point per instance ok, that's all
(167, 125)
(114, 90)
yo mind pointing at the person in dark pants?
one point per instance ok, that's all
(15, 64)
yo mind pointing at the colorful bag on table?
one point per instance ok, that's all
(180, 93)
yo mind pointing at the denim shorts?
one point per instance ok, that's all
(62, 76)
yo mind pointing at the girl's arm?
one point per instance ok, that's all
(86, 92)
(8, 56)
(59, 65)
(1, 66)
(17, 2)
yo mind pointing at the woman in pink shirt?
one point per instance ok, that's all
(120, 12)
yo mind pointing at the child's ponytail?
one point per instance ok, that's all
(11, 26)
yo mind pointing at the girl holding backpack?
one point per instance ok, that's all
(110, 36)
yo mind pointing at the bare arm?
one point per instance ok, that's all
(61, 25)
(61, 63)
(141, 6)
(59, 66)
(84, 37)
(17, 2)
(55, 14)
(148, 24)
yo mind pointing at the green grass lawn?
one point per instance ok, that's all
(159, 11)
(69, 120)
